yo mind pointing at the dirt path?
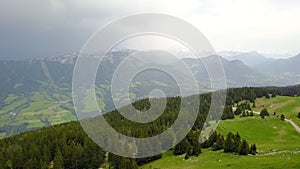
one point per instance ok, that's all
(294, 125)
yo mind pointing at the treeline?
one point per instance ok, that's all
(189, 145)
(67, 145)
(287, 90)
(249, 95)
(232, 144)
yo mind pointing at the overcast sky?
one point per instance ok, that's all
(35, 28)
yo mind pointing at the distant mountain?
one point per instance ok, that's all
(249, 58)
(236, 72)
(228, 54)
(287, 67)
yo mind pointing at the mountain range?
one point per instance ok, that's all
(37, 92)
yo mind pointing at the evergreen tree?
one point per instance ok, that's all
(219, 143)
(237, 142)
(46, 154)
(181, 147)
(189, 150)
(2, 160)
(282, 117)
(229, 143)
(210, 141)
(238, 110)
(253, 149)
(186, 157)
(254, 105)
(58, 161)
(194, 141)
(32, 164)
(228, 113)
(264, 112)
(244, 150)
(43, 165)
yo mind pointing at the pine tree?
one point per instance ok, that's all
(189, 150)
(181, 147)
(2, 160)
(237, 142)
(254, 105)
(244, 150)
(43, 165)
(264, 113)
(46, 154)
(58, 161)
(229, 143)
(32, 164)
(282, 117)
(228, 113)
(196, 149)
(253, 149)
(186, 157)
(219, 143)
(196, 146)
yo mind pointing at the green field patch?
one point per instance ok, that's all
(35, 124)
(19, 102)
(38, 106)
(10, 98)
(289, 106)
(268, 134)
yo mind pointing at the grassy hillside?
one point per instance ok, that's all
(274, 138)
(289, 106)
(270, 135)
(219, 160)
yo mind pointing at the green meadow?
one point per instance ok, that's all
(276, 142)
(289, 106)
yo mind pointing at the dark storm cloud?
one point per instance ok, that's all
(37, 28)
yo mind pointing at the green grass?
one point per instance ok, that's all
(276, 140)
(219, 160)
(268, 134)
(289, 106)
(35, 124)
(38, 106)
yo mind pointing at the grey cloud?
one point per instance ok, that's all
(36, 28)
